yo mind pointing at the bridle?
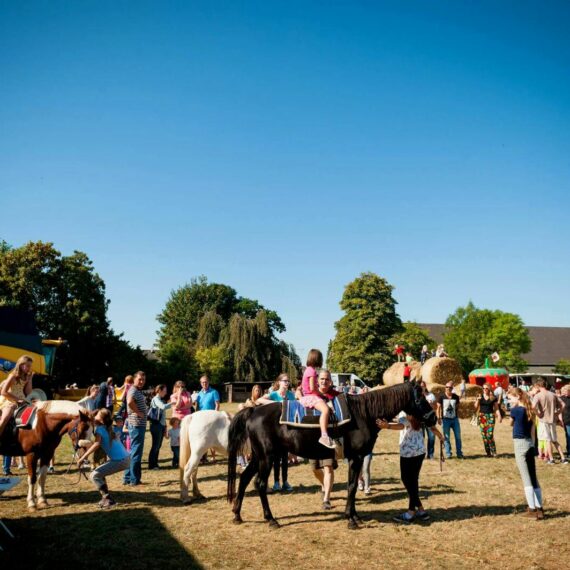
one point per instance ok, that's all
(75, 431)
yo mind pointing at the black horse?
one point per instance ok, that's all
(269, 439)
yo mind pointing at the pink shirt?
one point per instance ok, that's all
(305, 385)
(185, 405)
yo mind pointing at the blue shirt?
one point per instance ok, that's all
(207, 399)
(114, 449)
(522, 426)
(276, 397)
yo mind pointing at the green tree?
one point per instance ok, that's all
(361, 344)
(68, 300)
(562, 366)
(413, 337)
(473, 334)
(212, 361)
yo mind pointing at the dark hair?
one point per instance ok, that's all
(415, 423)
(159, 388)
(540, 382)
(315, 358)
(107, 422)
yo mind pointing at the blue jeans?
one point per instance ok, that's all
(452, 424)
(132, 475)
(6, 462)
(175, 456)
(567, 428)
(157, 433)
(430, 442)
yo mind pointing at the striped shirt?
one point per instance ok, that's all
(134, 419)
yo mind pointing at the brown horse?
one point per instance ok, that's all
(54, 419)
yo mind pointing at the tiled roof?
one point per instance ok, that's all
(549, 344)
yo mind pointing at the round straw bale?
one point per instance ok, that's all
(395, 374)
(440, 370)
(473, 391)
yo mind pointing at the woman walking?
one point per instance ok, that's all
(157, 418)
(487, 408)
(522, 416)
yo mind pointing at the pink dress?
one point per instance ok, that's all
(309, 399)
(185, 405)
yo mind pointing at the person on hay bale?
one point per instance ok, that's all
(399, 352)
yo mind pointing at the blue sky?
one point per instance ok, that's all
(285, 147)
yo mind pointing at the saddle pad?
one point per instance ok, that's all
(25, 415)
(295, 415)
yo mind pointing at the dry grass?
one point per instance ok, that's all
(473, 502)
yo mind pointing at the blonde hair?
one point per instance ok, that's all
(91, 389)
(107, 422)
(253, 390)
(524, 399)
(491, 393)
(17, 372)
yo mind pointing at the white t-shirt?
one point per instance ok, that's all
(411, 440)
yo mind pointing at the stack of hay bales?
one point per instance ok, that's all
(395, 374)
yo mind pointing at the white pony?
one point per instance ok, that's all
(199, 432)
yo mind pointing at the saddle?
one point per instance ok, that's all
(24, 416)
(295, 415)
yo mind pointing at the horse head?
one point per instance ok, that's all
(419, 407)
(79, 427)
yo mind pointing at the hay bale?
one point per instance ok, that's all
(440, 370)
(395, 374)
(473, 391)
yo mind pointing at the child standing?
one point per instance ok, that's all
(412, 453)
(174, 436)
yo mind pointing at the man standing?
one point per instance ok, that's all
(136, 406)
(208, 398)
(106, 391)
(323, 469)
(447, 408)
(548, 407)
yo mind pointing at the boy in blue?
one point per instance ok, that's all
(119, 458)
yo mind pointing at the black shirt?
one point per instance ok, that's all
(566, 411)
(448, 405)
(486, 406)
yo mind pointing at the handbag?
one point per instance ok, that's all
(154, 414)
(474, 420)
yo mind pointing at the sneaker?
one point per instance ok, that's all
(276, 486)
(529, 513)
(539, 514)
(423, 516)
(286, 487)
(327, 506)
(551, 462)
(51, 470)
(8, 473)
(360, 486)
(368, 491)
(404, 518)
(460, 457)
(327, 441)
(107, 503)
(564, 462)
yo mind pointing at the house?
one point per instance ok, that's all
(549, 345)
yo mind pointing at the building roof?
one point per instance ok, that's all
(549, 344)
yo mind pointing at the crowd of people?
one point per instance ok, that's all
(121, 425)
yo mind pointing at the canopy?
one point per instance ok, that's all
(491, 375)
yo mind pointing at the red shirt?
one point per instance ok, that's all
(331, 394)
(407, 371)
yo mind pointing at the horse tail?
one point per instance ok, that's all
(184, 444)
(237, 439)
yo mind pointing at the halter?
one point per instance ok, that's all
(75, 430)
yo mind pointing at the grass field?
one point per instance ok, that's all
(474, 504)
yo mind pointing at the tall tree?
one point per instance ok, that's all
(361, 344)
(68, 300)
(473, 334)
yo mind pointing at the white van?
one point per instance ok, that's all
(343, 381)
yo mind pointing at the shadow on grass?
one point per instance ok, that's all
(119, 538)
(470, 457)
(397, 494)
(123, 497)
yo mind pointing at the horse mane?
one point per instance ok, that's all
(384, 403)
(60, 407)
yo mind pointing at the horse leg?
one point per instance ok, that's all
(355, 465)
(192, 468)
(244, 480)
(32, 464)
(40, 490)
(264, 472)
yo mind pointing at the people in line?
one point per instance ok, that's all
(118, 456)
(412, 453)
(311, 397)
(136, 404)
(447, 414)
(157, 419)
(522, 421)
(487, 409)
(15, 389)
(181, 400)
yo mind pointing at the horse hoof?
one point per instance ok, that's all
(352, 525)
(187, 501)
(32, 508)
(274, 524)
(237, 520)
(43, 505)
(200, 498)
